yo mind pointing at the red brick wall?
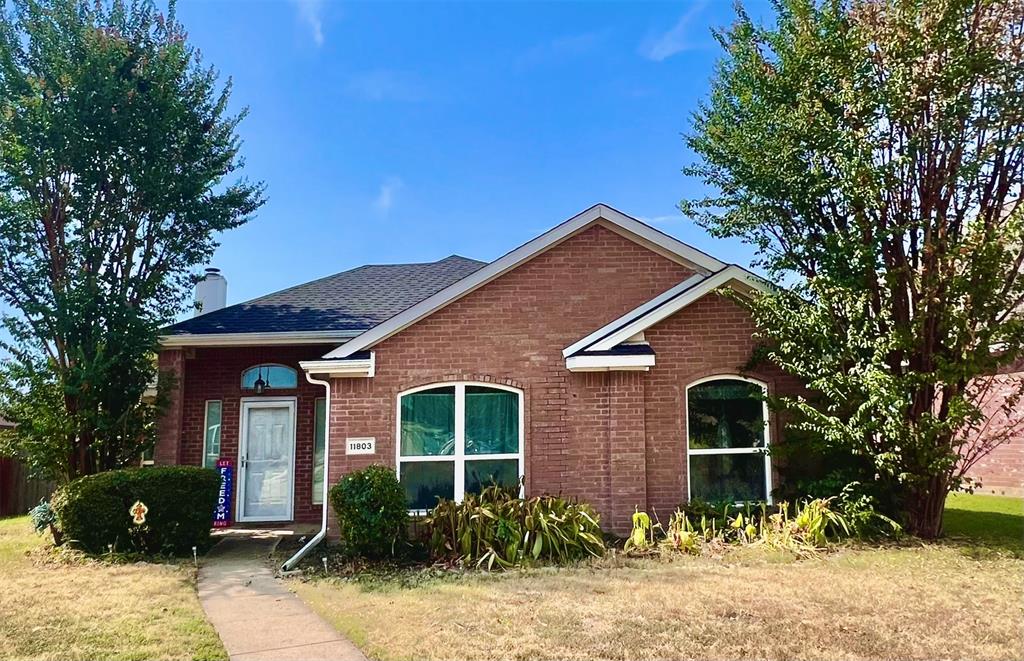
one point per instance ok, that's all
(1001, 471)
(171, 364)
(615, 439)
(216, 373)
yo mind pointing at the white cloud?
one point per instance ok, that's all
(676, 40)
(571, 45)
(385, 85)
(311, 13)
(389, 189)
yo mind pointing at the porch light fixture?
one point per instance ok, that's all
(260, 386)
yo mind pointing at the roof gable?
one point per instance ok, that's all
(610, 337)
(614, 220)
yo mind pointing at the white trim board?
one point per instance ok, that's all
(254, 339)
(585, 363)
(611, 218)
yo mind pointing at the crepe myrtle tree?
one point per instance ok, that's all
(871, 151)
(115, 147)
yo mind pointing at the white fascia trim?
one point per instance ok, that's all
(615, 219)
(609, 363)
(254, 339)
(646, 307)
(645, 321)
(342, 368)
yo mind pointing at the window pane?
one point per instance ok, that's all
(319, 426)
(274, 376)
(726, 414)
(727, 477)
(428, 423)
(485, 472)
(492, 421)
(211, 443)
(425, 481)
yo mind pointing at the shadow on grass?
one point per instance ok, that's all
(992, 529)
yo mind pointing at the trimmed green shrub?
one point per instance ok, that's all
(372, 514)
(93, 511)
(497, 527)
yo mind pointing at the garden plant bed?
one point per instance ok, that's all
(956, 599)
(63, 605)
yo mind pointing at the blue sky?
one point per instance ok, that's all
(393, 132)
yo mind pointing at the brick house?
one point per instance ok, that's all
(598, 360)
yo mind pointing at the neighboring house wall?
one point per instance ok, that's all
(614, 439)
(1001, 472)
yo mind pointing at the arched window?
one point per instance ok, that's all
(271, 376)
(727, 440)
(458, 438)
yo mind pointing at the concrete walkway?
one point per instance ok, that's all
(256, 616)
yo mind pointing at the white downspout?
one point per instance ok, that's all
(301, 553)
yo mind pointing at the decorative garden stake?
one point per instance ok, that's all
(195, 557)
(138, 512)
(325, 563)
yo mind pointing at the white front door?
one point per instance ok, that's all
(267, 460)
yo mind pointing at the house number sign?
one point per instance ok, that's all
(360, 445)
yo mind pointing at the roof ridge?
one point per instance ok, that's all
(334, 275)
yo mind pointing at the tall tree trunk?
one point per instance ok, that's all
(924, 507)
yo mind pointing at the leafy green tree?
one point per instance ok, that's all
(115, 143)
(872, 152)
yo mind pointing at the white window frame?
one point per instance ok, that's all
(318, 494)
(206, 429)
(690, 452)
(459, 456)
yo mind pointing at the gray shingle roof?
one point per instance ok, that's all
(352, 300)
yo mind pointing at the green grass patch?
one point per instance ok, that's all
(988, 520)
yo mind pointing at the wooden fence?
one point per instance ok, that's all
(18, 492)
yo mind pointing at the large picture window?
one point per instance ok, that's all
(727, 440)
(455, 439)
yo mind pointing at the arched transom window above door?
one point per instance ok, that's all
(727, 440)
(457, 438)
(269, 376)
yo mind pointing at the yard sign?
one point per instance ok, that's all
(222, 513)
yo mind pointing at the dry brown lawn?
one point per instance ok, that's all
(84, 609)
(934, 602)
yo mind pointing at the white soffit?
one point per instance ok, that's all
(341, 368)
(254, 339)
(613, 219)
